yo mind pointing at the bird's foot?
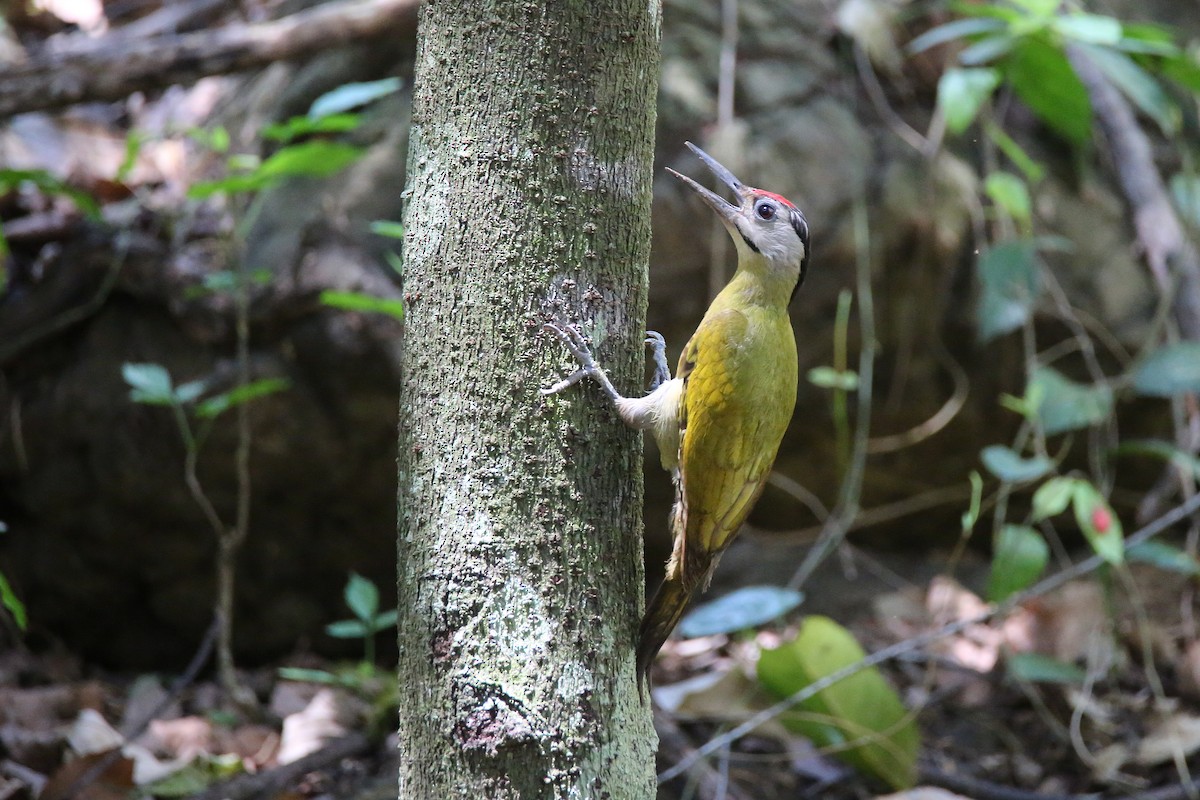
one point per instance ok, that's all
(576, 343)
(662, 371)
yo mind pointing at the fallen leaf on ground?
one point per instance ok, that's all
(307, 731)
(1171, 736)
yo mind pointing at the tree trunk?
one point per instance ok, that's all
(520, 580)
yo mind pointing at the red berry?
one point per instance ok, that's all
(1101, 519)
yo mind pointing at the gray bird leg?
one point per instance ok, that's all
(662, 371)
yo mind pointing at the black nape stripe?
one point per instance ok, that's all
(749, 243)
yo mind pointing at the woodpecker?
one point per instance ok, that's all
(719, 421)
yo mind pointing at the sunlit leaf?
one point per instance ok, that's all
(149, 383)
(352, 95)
(744, 608)
(962, 92)
(1010, 193)
(1066, 405)
(1052, 498)
(367, 303)
(51, 185)
(1044, 80)
(305, 126)
(1089, 28)
(9, 599)
(862, 709)
(1008, 276)
(1038, 8)
(1019, 555)
(388, 228)
(987, 50)
(214, 406)
(1099, 524)
(1037, 668)
(1184, 69)
(1182, 459)
(1030, 168)
(1008, 466)
(829, 378)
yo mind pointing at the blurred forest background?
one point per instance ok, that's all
(201, 310)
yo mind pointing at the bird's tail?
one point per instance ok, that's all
(662, 614)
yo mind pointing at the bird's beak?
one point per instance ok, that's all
(723, 207)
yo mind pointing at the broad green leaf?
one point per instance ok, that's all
(1010, 193)
(1089, 28)
(1008, 276)
(385, 620)
(1148, 38)
(318, 158)
(1066, 405)
(958, 29)
(352, 95)
(9, 599)
(1185, 191)
(362, 597)
(1008, 465)
(1036, 668)
(304, 126)
(1138, 85)
(1099, 524)
(187, 392)
(1038, 8)
(149, 383)
(962, 92)
(1184, 69)
(360, 301)
(1164, 450)
(1019, 555)
(1052, 498)
(388, 228)
(738, 610)
(1165, 557)
(348, 629)
(1045, 81)
(862, 714)
(214, 406)
(1169, 371)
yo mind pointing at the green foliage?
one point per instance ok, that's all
(1007, 465)
(861, 717)
(1009, 286)
(1019, 556)
(352, 95)
(1064, 405)
(317, 158)
(151, 384)
(744, 608)
(9, 599)
(1095, 518)
(1165, 557)
(1037, 668)
(1169, 371)
(362, 598)
(366, 303)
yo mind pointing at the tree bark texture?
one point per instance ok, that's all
(520, 577)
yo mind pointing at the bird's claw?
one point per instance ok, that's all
(574, 340)
(662, 371)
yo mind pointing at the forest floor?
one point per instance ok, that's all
(1089, 690)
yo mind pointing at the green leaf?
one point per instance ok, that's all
(133, 148)
(1035, 668)
(1088, 28)
(971, 515)
(958, 29)
(1169, 371)
(149, 383)
(352, 95)
(1164, 450)
(187, 392)
(1185, 191)
(317, 158)
(962, 92)
(296, 127)
(745, 608)
(1008, 466)
(1038, 8)
(360, 301)
(1010, 193)
(1032, 170)
(1009, 284)
(1044, 80)
(9, 599)
(362, 597)
(49, 184)
(1019, 555)
(830, 378)
(348, 629)
(385, 620)
(1138, 85)
(861, 714)
(388, 228)
(1066, 405)
(214, 406)
(986, 50)
(1052, 498)
(1165, 557)
(1149, 39)
(1099, 524)
(1184, 69)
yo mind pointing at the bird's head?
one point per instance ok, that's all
(764, 225)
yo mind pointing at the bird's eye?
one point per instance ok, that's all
(765, 210)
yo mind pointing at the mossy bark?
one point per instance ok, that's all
(520, 581)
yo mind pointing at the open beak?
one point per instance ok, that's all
(723, 207)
